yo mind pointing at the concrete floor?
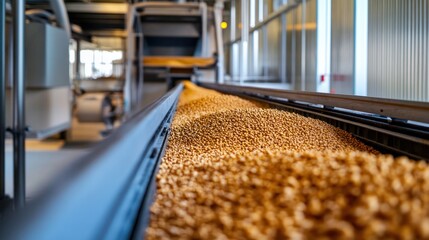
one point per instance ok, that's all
(46, 159)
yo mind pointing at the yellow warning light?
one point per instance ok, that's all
(223, 25)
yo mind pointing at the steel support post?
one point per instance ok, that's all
(2, 95)
(19, 104)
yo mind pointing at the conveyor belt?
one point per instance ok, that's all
(108, 194)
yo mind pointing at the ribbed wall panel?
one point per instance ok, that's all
(342, 39)
(398, 49)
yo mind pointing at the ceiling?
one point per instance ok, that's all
(96, 18)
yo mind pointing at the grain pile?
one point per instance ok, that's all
(249, 172)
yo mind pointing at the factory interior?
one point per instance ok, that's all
(214, 119)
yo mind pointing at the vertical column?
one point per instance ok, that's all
(292, 25)
(204, 45)
(282, 68)
(232, 51)
(220, 72)
(140, 79)
(2, 95)
(323, 45)
(129, 59)
(361, 48)
(19, 104)
(244, 39)
(303, 43)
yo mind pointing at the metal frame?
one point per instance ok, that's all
(272, 16)
(282, 10)
(383, 133)
(107, 193)
(133, 89)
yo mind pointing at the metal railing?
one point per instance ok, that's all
(247, 30)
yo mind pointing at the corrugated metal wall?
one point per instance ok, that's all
(342, 48)
(301, 46)
(310, 54)
(398, 40)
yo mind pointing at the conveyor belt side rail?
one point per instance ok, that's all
(101, 196)
(409, 110)
(383, 133)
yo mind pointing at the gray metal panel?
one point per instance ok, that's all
(171, 29)
(290, 47)
(274, 50)
(298, 48)
(46, 56)
(342, 45)
(310, 45)
(46, 110)
(398, 49)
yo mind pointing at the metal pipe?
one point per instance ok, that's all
(129, 59)
(219, 44)
(283, 53)
(244, 40)
(19, 104)
(203, 9)
(2, 95)
(232, 36)
(140, 78)
(303, 45)
(61, 15)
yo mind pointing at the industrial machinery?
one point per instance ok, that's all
(34, 82)
(107, 193)
(46, 71)
(172, 41)
(166, 42)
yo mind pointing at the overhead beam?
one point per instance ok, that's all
(98, 8)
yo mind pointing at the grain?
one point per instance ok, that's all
(211, 104)
(192, 92)
(235, 169)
